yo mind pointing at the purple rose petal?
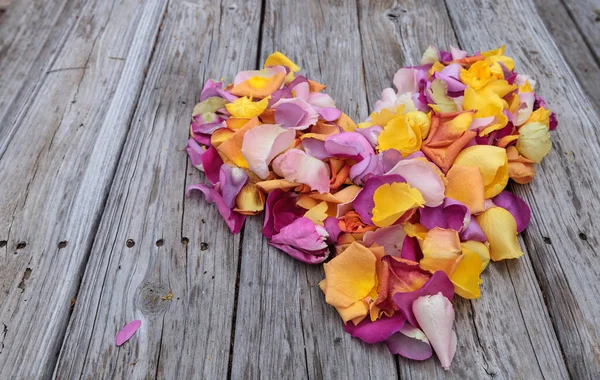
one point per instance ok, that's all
(127, 332)
(378, 331)
(516, 206)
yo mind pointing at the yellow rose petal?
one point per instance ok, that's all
(480, 249)
(245, 108)
(534, 141)
(500, 228)
(392, 201)
(318, 213)
(492, 162)
(466, 276)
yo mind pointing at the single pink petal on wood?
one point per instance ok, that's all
(435, 315)
(127, 332)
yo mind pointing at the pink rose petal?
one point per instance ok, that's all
(436, 317)
(127, 332)
(410, 342)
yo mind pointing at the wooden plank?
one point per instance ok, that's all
(506, 333)
(577, 52)
(32, 34)
(586, 15)
(56, 173)
(284, 328)
(182, 246)
(563, 236)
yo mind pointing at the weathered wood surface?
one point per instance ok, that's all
(564, 21)
(56, 174)
(562, 239)
(494, 338)
(182, 247)
(153, 258)
(32, 34)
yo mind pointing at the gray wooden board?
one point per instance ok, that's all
(506, 333)
(182, 246)
(586, 14)
(562, 239)
(56, 173)
(32, 34)
(571, 41)
(284, 329)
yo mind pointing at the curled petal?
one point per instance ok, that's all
(332, 228)
(259, 83)
(281, 210)
(212, 162)
(315, 148)
(473, 232)
(296, 166)
(234, 220)
(500, 228)
(411, 249)
(329, 113)
(262, 144)
(348, 145)
(436, 318)
(231, 179)
(534, 141)
(410, 342)
(303, 240)
(405, 80)
(195, 152)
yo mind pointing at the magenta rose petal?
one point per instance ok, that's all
(127, 332)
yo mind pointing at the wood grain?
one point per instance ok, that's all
(284, 327)
(179, 278)
(56, 172)
(32, 34)
(562, 239)
(563, 22)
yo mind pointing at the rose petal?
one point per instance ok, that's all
(296, 166)
(262, 144)
(439, 282)
(127, 332)
(500, 228)
(411, 249)
(450, 215)
(330, 113)
(435, 315)
(195, 152)
(516, 206)
(422, 175)
(377, 331)
(390, 238)
(348, 145)
(234, 220)
(303, 240)
(364, 203)
(410, 342)
(232, 179)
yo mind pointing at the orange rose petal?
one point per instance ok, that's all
(267, 86)
(315, 86)
(220, 135)
(465, 185)
(441, 251)
(273, 184)
(346, 123)
(231, 149)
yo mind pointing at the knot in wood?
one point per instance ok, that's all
(149, 299)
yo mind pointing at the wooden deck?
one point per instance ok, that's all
(95, 231)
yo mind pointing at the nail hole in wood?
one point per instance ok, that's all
(2, 243)
(160, 242)
(547, 240)
(21, 245)
(203, 246)
(62, 244)
(130, 243)
(185, 240)
(582, 236)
